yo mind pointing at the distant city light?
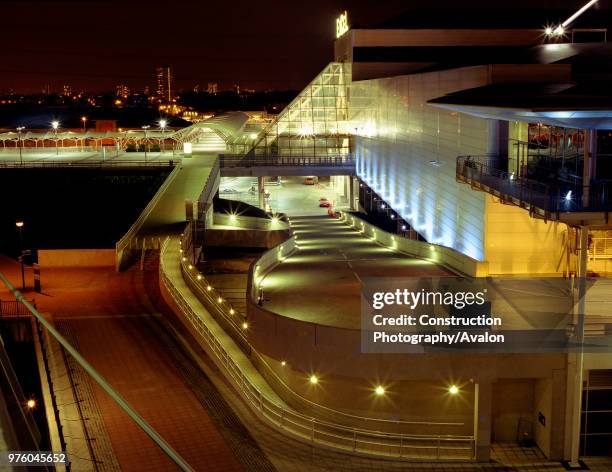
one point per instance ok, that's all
(548, 31)
(379, 390)
(31, 403)
(162, 124)
(560, 30)
(19, 224)
(403, 227)
(55, 124)
(245, 325)
(453, 390)
(283, 363)
(568, 196)
(313, 379)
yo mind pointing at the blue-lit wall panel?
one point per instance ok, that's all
(406, 151)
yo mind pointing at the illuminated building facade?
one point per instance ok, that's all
(164, 84)
(460, 137)
(122, 91)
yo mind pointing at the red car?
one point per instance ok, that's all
(324, 203)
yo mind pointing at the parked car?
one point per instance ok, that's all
(309, 181)
(324, 203)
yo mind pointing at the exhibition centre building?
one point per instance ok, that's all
(483, 150)
(432, 215)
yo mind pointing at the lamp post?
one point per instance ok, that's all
(19, 130)
(145, 128)
(19, 225)
(55, 125)
(84, 121)
(162, 126)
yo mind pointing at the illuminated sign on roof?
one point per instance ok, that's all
(342, 24)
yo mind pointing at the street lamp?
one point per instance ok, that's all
(55, 125)
(84, 121)
(145, 128)
(19, 224)
(162, 126)
(19, 130)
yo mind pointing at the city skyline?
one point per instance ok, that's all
(275, 45)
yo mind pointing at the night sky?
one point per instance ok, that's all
(94, 46)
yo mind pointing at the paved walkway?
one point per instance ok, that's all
(187, 185)
(321, 283)
(115, 319)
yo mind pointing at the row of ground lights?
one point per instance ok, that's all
(432, 248)
(209, 288)
(378, 390)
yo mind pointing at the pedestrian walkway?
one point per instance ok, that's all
(326, 274)
(114, 318)
(186, 185)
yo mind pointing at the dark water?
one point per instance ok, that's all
(72, 208)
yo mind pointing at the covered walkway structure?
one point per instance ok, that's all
(221, 128)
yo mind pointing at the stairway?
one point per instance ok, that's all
(209, 141)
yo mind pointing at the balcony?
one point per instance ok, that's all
(558, 201)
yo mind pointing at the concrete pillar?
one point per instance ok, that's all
(576, 359)
(261, 191)
(482, 420)
(352, 182)
(590, 160)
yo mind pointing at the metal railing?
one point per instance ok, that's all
(87, 367)
(13, 309)
(229, 160)
(208, 191)
(86, 164)
(126, 241)
(544, 199)
(601, 248)
(307, 428)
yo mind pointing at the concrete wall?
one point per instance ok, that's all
(76, 257)
(406, 151)
(444, 256)
(245, 237)
(512, 409)
(515, 243)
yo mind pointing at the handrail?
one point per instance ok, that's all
(298, 425)
(85, 164)
(551, 200)
(208, 187)
(124, 242)
(117, 398)
(239, 160)
(600, 248)
(211, 297)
